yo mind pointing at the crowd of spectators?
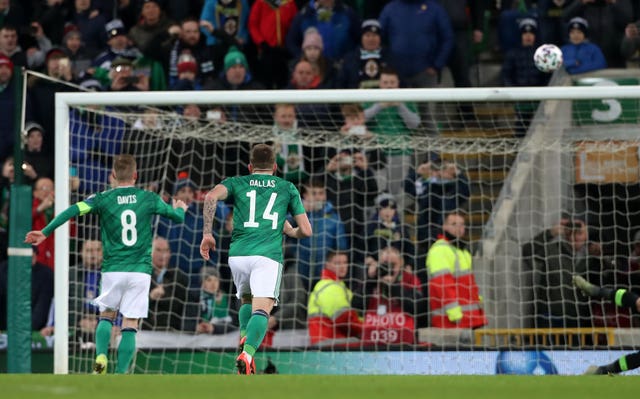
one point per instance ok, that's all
(261, 44)
(140, 45)
(355, 199)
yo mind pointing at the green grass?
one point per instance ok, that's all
(43, 386)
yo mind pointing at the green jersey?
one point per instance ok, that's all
(126, 214)
(390, 128)
(260, 206)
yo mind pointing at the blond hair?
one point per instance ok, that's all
(124, 167)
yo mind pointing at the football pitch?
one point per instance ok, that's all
(317, 386)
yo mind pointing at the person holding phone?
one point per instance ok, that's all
(393, 122)
(352, 188)
(42, 93)
(123, 77)
(549, 261)
(37, 163)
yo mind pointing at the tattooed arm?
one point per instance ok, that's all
(208, 243)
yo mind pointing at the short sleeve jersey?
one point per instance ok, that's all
(261, 204)
(126, 215)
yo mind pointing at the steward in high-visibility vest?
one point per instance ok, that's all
(329, 314)
(454, 298)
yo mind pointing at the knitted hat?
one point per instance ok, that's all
(70, 30)
(186, 63)
(160, 3)
(312, 39)
(579, 23)
(182, 183)
(54, 53)
(121, 61)
(528, 25)
(235, 57)
(4, 60)
(31, 126)
(385, 198)
(370, 25)
(387, 203)
(208, 271)
(91, 85)
(114, 28)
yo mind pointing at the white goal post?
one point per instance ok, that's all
(65, 101)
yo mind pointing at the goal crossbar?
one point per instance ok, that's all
(347, 96)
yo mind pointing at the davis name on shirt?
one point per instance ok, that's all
(127, 199)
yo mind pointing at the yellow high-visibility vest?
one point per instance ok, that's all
(329, 298)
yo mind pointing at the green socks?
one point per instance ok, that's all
(126, 350)
(256, 330)
(244, 315)
(103, 336)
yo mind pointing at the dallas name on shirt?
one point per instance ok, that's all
(262, 183)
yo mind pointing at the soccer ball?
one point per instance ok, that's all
(548, 58)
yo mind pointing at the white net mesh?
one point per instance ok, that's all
(570, 167)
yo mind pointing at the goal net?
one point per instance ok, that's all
(547, 179)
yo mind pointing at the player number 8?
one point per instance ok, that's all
(129, 232)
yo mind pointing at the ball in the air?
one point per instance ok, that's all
(548, 58)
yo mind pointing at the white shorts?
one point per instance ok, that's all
(256, 275)
(127, 292)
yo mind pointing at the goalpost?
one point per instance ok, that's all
(517, 187)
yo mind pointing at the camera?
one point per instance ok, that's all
(384, 269)
(214, 115)
(131, 79)
(346, 160)
(573, 226)
(28, 31)
(358, 130)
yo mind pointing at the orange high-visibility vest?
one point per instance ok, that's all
(454, 297)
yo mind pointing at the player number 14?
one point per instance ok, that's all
(266, 215)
